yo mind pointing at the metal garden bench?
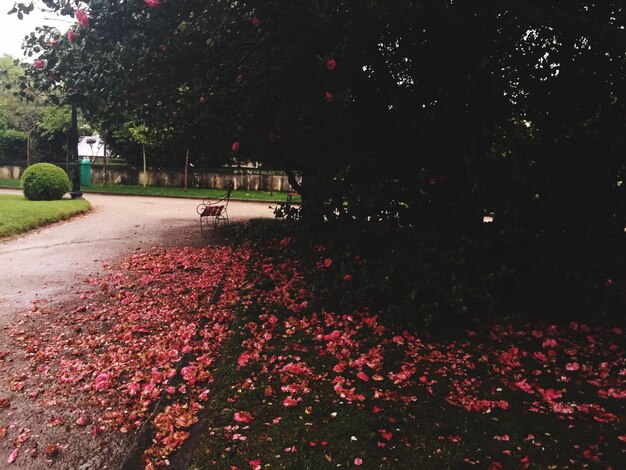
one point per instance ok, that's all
(213, 212)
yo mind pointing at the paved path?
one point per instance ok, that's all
(49, 262)
(52, 264)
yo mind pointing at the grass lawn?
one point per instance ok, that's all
(180, 192)
(18, 214)
(139, 190)
(9, 183)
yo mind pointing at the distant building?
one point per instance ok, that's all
(91, 147)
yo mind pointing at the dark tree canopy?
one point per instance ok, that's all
(421, 113)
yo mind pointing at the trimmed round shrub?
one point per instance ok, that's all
(44, 182)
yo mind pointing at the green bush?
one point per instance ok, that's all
(45, 182)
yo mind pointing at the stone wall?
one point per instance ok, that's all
(10, 172)
(241, 178)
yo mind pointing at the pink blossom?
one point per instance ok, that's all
(152, 3)
(235, 146)
(13, 455)
(563, 408)
(255, 22)
(82, 18)
(358, 461)
(329, 96)
(38, 64)
(331, 64)
(588, 455)
(102, 382)
(363, 376)
(572, 366)
(243, 417)
(133, 388)
(243, 359)
(549, 343)
(70, 36)
(347, 277)
(189, 374)
(328, 263)
(287, 402)
(255, 464)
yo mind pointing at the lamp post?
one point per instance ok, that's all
(76, 193)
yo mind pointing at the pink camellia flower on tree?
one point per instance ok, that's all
(331, 64)
(329, 96)
(152, 3)
(235, 146)
(38, 64)
(82, 18)
(70, 36)
(256, 22)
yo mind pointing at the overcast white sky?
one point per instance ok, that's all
(13, 30)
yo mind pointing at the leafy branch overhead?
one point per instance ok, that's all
(449, 107)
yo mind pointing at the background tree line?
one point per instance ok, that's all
(30, 130)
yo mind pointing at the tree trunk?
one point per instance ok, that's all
(186, 168)
(104, 161)
(28, 150)
(67, 152)
(145, 176)
(291, 177)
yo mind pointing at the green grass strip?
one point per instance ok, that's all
(9, 183)
(137, 190)
(18, 214)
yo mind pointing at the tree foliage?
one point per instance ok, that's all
(420, 114)
(27, 122)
